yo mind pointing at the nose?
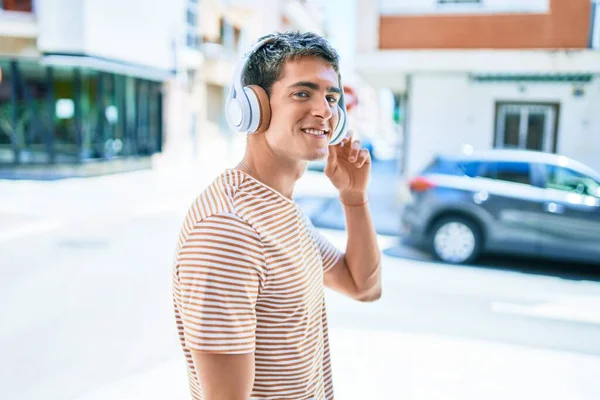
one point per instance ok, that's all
(322, 108)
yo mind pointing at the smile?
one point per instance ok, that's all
(315, 132)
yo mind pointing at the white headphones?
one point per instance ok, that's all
(247, 108)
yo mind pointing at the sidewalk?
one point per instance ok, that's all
(387, 365)
(325, 210)
(367, 364)
(31, 207)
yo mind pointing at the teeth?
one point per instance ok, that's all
(314, 132)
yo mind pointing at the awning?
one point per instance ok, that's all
(106, 65)
(533, 78)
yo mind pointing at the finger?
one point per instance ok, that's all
(331, 161)
(354, 150)
(363, 157)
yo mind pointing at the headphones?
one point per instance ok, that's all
(247, 108)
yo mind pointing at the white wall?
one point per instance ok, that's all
(448, 111)
(60, 26)
(133, 31)
(399, 7)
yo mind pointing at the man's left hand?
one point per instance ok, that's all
(349, 169)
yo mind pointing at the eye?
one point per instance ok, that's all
(332, 99)
(302, 95)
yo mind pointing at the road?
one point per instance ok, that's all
(85, 304)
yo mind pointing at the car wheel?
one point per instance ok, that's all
(456, 240)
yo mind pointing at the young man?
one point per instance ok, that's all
(250, 269)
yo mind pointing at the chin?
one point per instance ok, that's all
(317, 156)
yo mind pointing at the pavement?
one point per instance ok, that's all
(439, 332)
(384, 365)
(385, 194)
(30, 206)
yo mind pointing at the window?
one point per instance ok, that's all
(230, 34)
(425, 7)
(192, 39)
(459, 1)
(516, 172)
(443, 166)
(471, 168)
(567, 180)
(526, 126)
(67, 114)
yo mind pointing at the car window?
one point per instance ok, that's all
(567, 180)
(516, 172)
(471, 168)
(443, 166)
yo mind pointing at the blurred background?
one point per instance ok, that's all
(483, 120)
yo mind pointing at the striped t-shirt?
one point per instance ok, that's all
(248, 277)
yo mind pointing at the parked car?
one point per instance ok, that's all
(505, 201)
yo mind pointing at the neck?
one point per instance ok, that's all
(264, 165)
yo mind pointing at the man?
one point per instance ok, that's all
(250, 269)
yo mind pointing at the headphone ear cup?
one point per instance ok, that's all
(340, 129)
(260, 109)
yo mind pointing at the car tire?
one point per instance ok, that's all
(456, 240)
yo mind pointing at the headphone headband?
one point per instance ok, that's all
(241, 67)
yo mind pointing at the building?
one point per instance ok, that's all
(228, 28)
(98, 86)
(83, 82)
(478, 74)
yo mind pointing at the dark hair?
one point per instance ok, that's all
(266, 65)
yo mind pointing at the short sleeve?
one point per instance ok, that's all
(220, 270)
(329, 253)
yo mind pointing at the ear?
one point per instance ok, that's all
(264, 106)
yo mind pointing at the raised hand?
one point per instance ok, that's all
(349, 169)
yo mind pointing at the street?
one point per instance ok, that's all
(86, 307)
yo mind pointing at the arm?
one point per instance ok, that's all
(220, 268)
(225, 376)
(358, 273)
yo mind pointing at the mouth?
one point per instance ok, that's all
(317, 133)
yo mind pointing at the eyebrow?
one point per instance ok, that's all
(314, 86)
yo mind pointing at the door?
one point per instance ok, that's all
(571, 213)
(526, 126)
(505, 190)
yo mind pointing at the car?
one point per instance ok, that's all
(518, 202)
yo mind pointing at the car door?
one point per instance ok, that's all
(571, 213)
(506, 192)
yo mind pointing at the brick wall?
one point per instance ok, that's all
(565, 26)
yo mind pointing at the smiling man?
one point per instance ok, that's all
(250, 268)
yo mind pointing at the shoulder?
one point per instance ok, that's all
(218, 197)
(225, 234)
(226, 224)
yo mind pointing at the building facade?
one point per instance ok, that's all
(228, 28)
(479, 74)
(113, 85)
(82, 82)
